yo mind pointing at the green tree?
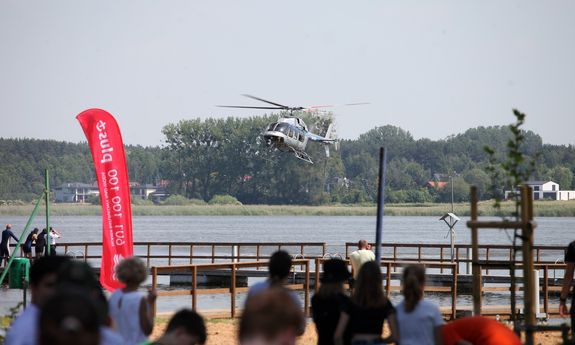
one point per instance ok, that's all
(562, 175)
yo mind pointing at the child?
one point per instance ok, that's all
(130, 309)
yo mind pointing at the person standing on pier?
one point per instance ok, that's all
(30, 239)
(5, 244)
(567, 281)
(40, 243)
(362, 255)
(54, 234)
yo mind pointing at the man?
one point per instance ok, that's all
(5, 244)
(360, 256)
(43, 277)
(278, 268)
(567, 280)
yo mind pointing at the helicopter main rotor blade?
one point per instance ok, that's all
(246, 107)
(311, 107)
(319, 106)
(360, 103)
(263, 100)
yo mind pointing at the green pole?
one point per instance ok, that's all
(47, 193)
(22, 236)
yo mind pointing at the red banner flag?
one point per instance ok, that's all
(107, 148)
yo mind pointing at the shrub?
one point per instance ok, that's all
(176, 200)
(136, 200)
(224, 200)
(93, 199)
(197, 202)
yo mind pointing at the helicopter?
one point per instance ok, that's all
(290, 133)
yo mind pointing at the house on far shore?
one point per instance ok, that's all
(546, 190)
(81, 192)
(75, 192)
(142, 191)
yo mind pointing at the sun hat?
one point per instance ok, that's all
(335, 271)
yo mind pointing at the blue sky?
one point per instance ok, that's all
(434, 68)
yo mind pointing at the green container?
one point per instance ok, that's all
(19, 271)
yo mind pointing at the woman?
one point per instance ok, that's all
(27, 247)
(364, 317)
(419, 320)
(40, 243)
(329, 300)
(129, 308)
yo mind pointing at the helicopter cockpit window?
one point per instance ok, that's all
(282, 127)
(300, 137)
(271, 126)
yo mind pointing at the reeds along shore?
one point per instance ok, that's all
(541, 209)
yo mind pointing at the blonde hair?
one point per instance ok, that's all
(131, 270)
(413, 282)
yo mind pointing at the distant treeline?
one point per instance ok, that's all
(203, 158)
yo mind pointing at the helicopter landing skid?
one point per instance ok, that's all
(302, 155)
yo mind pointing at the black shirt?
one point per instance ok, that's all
(325, 313)
(368, 320)
(570, 254)
(570, 257)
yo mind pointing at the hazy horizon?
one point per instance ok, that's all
(414, 138)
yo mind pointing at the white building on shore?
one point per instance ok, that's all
(77, 192)
(546, 190)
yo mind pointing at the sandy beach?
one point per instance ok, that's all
(223, 331)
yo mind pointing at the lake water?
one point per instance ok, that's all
(334, 230)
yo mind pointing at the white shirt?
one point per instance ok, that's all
(53, 237)
(417, 327)
(24, 330)
(358, 258)
(125, 311)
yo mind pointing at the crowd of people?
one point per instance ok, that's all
(273, 316)
(36, 239)
(69, 306)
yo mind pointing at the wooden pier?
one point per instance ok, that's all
(218, 264)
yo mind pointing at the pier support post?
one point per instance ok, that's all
(476, 269)
(527, 251)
